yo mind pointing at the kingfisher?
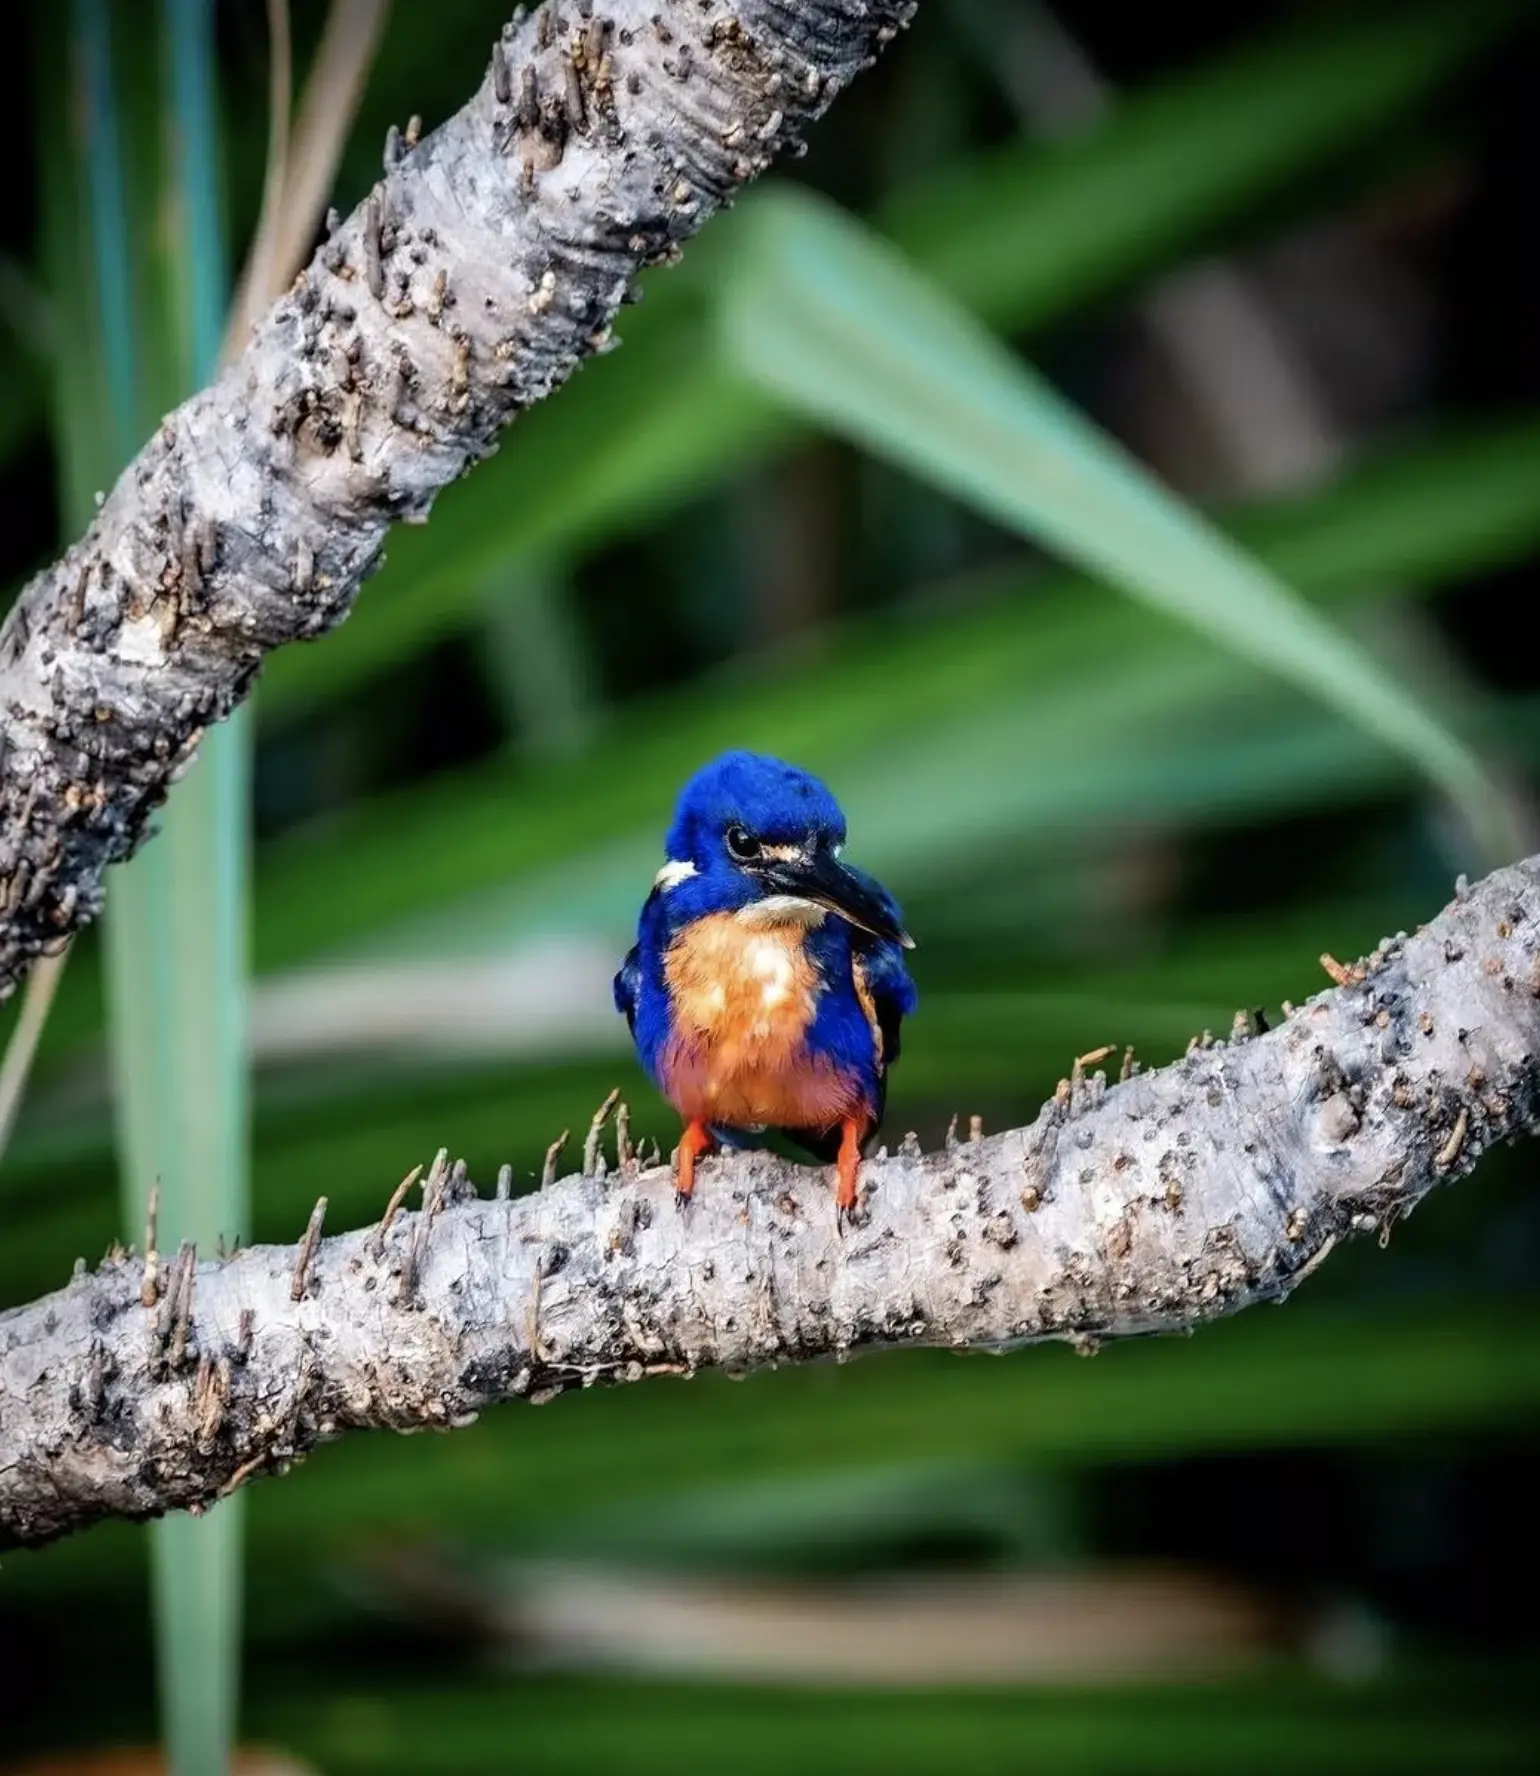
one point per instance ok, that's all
(766, 988)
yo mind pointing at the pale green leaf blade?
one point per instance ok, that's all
(176, 918)
(1021, 235)
(830, 318)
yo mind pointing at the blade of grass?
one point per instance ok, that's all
(1415, 1724)
(502, 841)
(498, 831)
(831, 319)
(36, 1002)
(1023, 237)
(175, 937)
(302, 165)
(262, 258)
(536, 661)
(178, 917)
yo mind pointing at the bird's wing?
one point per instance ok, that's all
(881, 976)
(651, 932)
(628, 984)
(884, 985)
(888, 994)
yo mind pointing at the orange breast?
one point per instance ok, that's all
(743, 1000)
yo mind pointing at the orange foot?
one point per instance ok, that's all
(847, 1169)
(695, 1141)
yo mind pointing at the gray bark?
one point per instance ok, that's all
(1147, 1205)
(487, 264)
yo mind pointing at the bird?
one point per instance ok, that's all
(767, 987)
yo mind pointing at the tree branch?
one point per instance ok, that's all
(1150, 1205)
(479, 273)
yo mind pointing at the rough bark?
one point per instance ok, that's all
(1147, 1205)
(486, 265)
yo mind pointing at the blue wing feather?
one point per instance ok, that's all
(628, 986)
(893, 998)
(893, 994)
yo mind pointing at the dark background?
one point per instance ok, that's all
(477, 770)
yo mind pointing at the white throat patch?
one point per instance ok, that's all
(782, 909)
(672, 874)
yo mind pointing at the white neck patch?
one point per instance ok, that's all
(782, 909)
(673, 873)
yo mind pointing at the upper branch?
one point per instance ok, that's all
(483, 268)
(1149, 1205)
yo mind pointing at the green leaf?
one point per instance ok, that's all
(175, 928)
(515, 848)
(824, 313)
(537, 663)
(1027, 233)
(1022, 235)
(176, 935)
(1416, 1723)
(506, 845)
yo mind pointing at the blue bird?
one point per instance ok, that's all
(767, 986)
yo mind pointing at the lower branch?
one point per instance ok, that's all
(1153, 1204)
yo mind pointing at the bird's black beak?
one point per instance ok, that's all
(824, 880)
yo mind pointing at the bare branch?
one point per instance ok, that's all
(1153, 1204)
(486, 265)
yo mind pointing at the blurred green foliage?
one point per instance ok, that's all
(175, 930)
(1104, 826)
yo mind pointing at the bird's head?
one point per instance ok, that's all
(757, 836)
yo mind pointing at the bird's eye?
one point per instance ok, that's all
(741, 843)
